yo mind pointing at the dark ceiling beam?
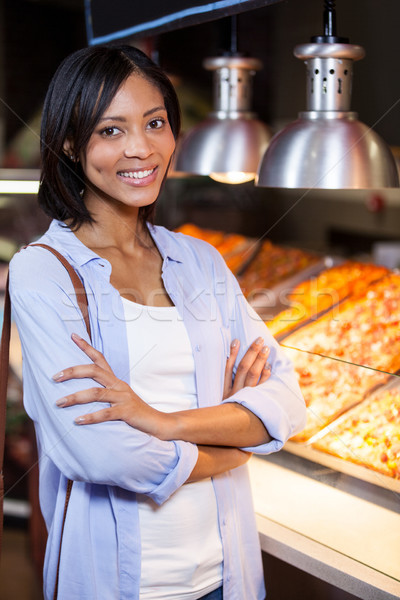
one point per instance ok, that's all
(123, 19)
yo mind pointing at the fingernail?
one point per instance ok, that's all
(234, 343)
(267, 367)
(80, 420)
(259, 340)
(61, 402)
(76, 337)
(58, 375)
(265, 350)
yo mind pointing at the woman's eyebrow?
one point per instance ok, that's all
(123, 119)
(111, 118)
(154, 110)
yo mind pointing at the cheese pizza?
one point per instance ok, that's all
(315, 295)
(369, 434)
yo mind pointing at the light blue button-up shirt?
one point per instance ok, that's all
(110, 462)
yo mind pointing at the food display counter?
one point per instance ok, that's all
(329, 503)
(340, 326)
(334, 527)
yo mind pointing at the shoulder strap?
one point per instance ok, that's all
(77, 283)
(4, 363)
(82, 300)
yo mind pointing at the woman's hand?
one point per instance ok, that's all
(252, 370)
(125, 404)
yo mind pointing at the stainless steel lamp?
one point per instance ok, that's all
(228, 145)
(327, 146)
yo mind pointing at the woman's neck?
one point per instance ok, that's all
(125, 232)
(136, 263)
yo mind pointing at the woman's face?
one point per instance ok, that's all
(129, 151)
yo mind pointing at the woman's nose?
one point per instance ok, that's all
(137, 145)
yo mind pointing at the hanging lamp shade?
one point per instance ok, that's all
(327, 146)
(228, 145)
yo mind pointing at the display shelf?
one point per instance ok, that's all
(345, 536)
(269, 302)
(343, 466)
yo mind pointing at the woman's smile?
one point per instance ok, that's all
(139, 177)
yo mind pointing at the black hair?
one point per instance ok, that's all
(81, 90)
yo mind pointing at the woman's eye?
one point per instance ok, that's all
(156, 123)
(109, 131)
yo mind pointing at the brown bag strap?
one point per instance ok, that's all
(4, 363)
(82, 300)
(80, 292)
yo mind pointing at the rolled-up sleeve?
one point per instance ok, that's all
(278, 402)
(110, 453)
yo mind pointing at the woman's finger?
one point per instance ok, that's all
(100, 416)
(99, 394)
(91, 352)
(246, 363)
(131, 409)
(230, 363)
(92, 371)
(257, 368)
(265, 373)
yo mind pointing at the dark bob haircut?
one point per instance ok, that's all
(81, 90)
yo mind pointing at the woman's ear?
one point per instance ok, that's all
(68, 150)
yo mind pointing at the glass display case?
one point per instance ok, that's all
(328, 507)
(329, 503)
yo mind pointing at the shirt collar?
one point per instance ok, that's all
(166, 242)
(61, 236)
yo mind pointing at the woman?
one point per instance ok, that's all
(160, 505)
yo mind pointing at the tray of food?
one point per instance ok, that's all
(330, 387)
(341, 465)
(237, 250)
(364, 442)
(363, 329)
(344, 355)
(272, 265)
(270, 302)
(311, 296)
(368, 434)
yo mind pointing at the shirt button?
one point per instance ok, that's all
(198, 348)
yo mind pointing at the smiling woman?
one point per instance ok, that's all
(127, 156)
(184, 381)
(79, 108)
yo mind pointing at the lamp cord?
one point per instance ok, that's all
(330, 18)
(234, 35)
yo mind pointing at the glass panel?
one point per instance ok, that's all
(341, 474)
(338, 482)
(364, 329)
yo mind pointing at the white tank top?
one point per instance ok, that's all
(180, 540)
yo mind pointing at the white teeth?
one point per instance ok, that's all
(136, 174)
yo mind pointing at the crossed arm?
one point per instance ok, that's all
(219, 431)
